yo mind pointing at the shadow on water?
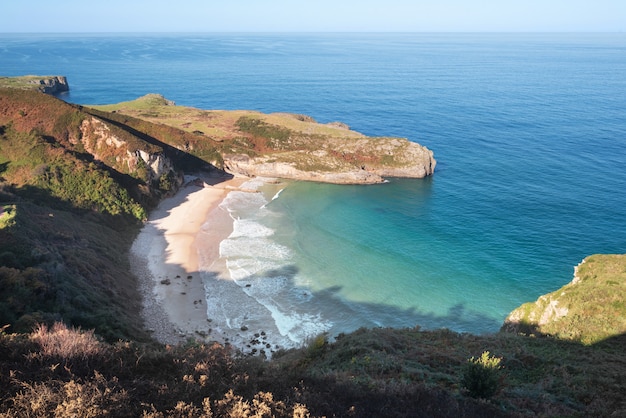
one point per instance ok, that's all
(241, 310)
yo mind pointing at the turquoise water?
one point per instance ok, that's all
(529, 131)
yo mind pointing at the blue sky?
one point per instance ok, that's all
(313, 16)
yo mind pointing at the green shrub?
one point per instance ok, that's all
(481, 376)
(317, 346)
(277, 135)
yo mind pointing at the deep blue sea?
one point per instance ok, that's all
(529, 131)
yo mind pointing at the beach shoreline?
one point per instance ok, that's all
(164, 257)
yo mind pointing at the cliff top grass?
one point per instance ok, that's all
(22, 82)
(219, 124)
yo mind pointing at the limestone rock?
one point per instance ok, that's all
(355, 161)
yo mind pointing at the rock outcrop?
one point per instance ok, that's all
(244, 165)
(98, 140)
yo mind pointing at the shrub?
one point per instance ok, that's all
(61, 341)
(317, 346)
(481, 376)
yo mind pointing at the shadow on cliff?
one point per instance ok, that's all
(179, 157)
(62, 262)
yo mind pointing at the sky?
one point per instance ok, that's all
(313, 16)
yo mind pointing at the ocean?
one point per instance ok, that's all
(529, 132)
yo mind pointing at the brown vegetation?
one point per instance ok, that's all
(61, 371)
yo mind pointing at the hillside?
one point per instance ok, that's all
(74, 189)
(75, 184)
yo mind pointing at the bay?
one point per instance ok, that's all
(529, 131)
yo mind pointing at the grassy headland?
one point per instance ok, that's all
(71, 204)
(282, 144)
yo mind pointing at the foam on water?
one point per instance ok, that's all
(262, 273)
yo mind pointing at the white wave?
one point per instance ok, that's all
(250, 228)
(274, 291)
(249, 268)
(298, 327)
(257, 248)
(255, 183)
(276, 196)
(243, 201)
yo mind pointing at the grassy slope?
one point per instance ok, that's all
(217, 124)
(59, 260)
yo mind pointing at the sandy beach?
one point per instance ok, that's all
(164, 257)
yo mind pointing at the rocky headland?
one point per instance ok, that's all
(285, 145)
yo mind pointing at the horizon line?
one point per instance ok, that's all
(317, 32)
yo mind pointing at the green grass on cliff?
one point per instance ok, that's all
(592, 308)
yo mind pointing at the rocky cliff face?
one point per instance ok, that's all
(341, 161)
(99, 140)
(268, 167)
(51, 85)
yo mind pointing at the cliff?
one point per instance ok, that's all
(148, 163)
(142, 162)
(589, 309)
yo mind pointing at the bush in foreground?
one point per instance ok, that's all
(481, 376)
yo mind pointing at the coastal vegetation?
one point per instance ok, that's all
(75, 184)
